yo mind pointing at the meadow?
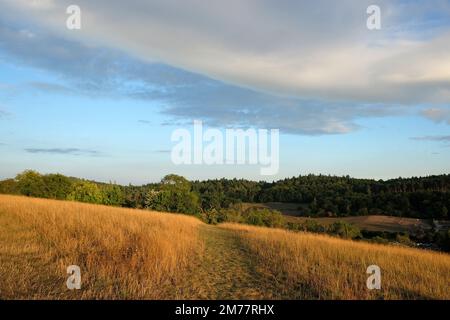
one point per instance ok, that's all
(142, 254)
(312, 266)
(122, 253)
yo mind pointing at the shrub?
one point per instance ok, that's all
(403, 238)
(312, 226)
(380, 240)
(345, 230)
(263, 217)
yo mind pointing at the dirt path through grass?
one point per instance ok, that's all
(225, 270)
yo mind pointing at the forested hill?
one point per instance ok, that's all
(321, 195)
(316, 195)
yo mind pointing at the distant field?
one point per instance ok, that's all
(138, 254)
(373, 223)
(369, 223)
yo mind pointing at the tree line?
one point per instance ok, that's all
(315, 195)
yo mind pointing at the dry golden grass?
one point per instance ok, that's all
(137, 254)
(122, 253)
(308, 266)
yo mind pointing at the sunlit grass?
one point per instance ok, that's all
(138, 254)
(310, 266)
(123, 253)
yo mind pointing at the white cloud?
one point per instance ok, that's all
(306, 49)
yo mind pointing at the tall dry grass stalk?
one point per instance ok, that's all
(123, 253)
(309, 266)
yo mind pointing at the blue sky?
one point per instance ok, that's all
(102, 102)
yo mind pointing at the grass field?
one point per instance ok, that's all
(136, 254)
(122, 253)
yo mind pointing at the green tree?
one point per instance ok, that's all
(86, 191)
(112, 195)
(57, 186)
(173, 182)
(31, 183)
(9, 186)
(174, 195)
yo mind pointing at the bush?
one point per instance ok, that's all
(264, 217)
(379, 240)
(403, 238)
(345, 230)
(312, 226)
(215, 216)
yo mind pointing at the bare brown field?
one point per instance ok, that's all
(138, 254)
(370, 223)
(307, 266)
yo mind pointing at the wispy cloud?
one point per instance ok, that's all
(49, 87)
(162, 151)
(432, 138)
(144, 121)
(438, 115)
(64, 151)
(443, 140)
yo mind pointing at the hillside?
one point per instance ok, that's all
(128, 253)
